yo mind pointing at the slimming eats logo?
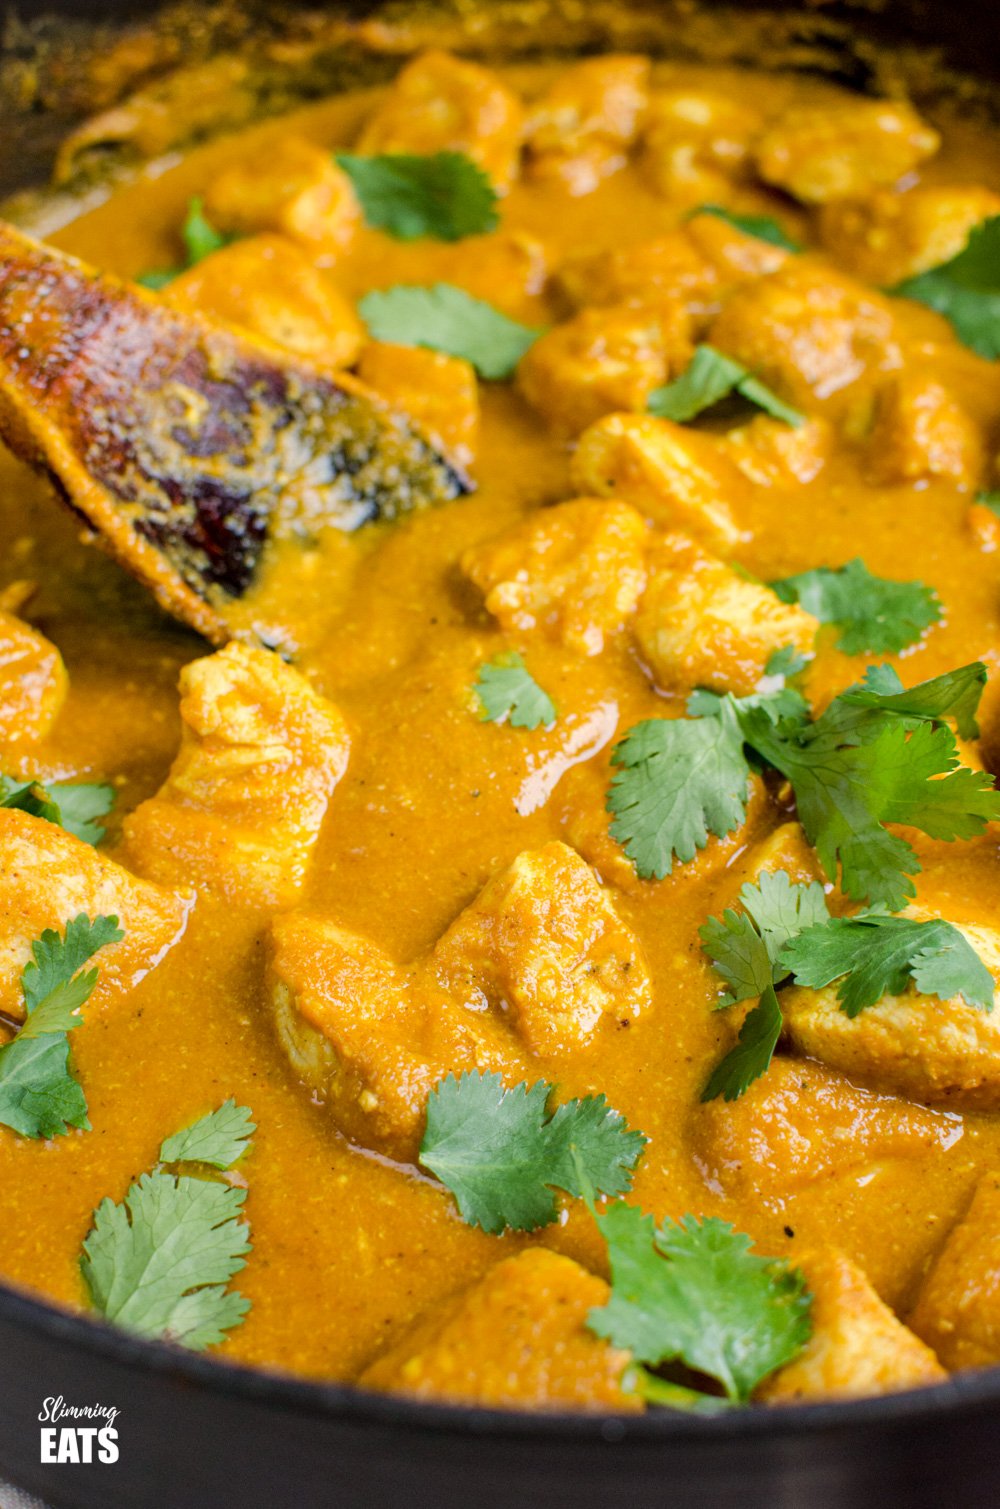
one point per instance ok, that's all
(97, 1442)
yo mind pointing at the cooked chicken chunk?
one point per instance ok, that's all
(440, 103)
(517, 1339)
(672, 475)
(700, 624)
(507, 268)
(771, 453)
(533, 966)
(942, 1052)
(841, 149)
(294, 188)
(695, 142)
(888, 237)
(241, 809)
(438, 392)
(699, 264)
(604, 359)
(958, 1307)
(581, 128)
(786, 848)
(48, 877)
(921, 431)
(269, 286)
(33, 682)
(801, 1124)
(858, 1347)
(544, 938)
(575, 571)
(808, 332)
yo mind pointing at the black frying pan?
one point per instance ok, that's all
(195, 1433)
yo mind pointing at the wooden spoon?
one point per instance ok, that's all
(187, 447)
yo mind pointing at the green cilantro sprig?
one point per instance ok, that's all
(966, 290)
(444, 195)
(880, 754)
(445, 318)
(506, 691)
(502, 1154)
(40, 1095)
(200, 239)
(711, 377)
(693, 1292)
(158, 1264)
(73, 805)
(876, 616)
(764, 227)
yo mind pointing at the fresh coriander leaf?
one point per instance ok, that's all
(990, 500)
(966, 290)
(858, 768)
(200, 237)
(502, 1155)
(752, 1053)
(762, 226)
(677, 780)
(878, 955)
(784, 704)
(786, 662)
(72, 805)
(693, 1292)
(876, 616)
(445, 318)
(745, 947)
(220, 1138)
(39, 1094)
(444, 194)
(158, 1263)
(659, 1391)
(709, 378)
(955, 695)
(158, 277)
(506, 689)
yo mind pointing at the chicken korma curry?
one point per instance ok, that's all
(539, 947)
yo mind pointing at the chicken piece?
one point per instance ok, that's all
(33, 682)
(696, 142)
(293, 188)
(958, 1308)
(268, 286)
(857, 1349)
(533, 965)
(575, 572)
(543, 937)
(437, 391)
(241, 809)
(808, 332)
(355, 1028)
(841, 149)
(771, 453)
(920, 432)
(801, 1124)
(888, 237)
(604, 359)
(700, 263)
(586, 822)
(581, 128)
(787, 849)
(672, 475)
(440, 103)
(700, 624)
(48, 877)
(507, 268)
(516, 1339)
(941, 1052)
